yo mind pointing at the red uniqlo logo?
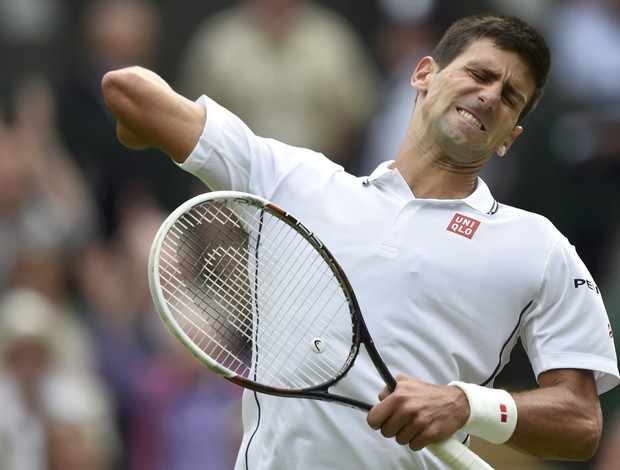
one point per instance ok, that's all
(463, 226)
(503, 413)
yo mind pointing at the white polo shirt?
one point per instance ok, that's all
(446, 288)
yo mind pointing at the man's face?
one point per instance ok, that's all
(469, 110)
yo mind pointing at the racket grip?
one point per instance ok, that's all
(458, 456)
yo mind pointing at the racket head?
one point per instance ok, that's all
(254, 294)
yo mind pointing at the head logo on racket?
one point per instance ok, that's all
(318, 345)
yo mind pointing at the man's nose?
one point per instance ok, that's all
(490, 95)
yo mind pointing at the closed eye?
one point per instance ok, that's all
(487, 76)
(509, 100)
(478, 76)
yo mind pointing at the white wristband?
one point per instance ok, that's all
(493, 414)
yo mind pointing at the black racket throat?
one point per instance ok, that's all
(374, 355)
(333, 398)
(321, 392)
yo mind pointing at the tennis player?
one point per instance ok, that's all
(447, 278)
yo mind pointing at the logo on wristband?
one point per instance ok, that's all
(503, 413)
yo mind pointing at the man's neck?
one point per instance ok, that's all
(429, 180)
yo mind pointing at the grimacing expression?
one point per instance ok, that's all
(471, 107)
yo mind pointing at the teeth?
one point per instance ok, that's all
(470, 118)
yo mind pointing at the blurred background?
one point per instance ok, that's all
(88, 377)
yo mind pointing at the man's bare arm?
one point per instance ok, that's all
(560, 420)
(150, 114)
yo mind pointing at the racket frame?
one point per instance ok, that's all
(360, 332)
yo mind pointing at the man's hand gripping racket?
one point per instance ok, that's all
(256, 297)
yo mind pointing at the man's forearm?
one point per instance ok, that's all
(562, 420)
(150, 113)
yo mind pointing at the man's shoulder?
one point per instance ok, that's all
(527, 226)
(513, 214)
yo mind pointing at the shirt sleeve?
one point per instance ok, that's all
(229, 156)
(568, 326)
(221, 158)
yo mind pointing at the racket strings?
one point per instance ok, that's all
(232, 296)
(211, 317)
(310, 283)
(280, 331)
(254, 295)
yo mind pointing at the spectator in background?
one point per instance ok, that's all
(113, 294)
(40, 391)
(32, 36)
(291, 69)
(48, 366)
(45, 205)
(46, 213)
(585, 134)
(168, 404)
(588, 63)
(112, 33)
(44, 272)
(184, 417)
(405, 34)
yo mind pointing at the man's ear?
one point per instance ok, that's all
(502, 149)
(423, 74)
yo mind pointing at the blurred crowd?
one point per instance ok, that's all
(89, 378)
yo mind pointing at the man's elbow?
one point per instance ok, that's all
(585, 441)
(592, 432)
(112, 85)
(578, 441)
(117, 92)
(108, 82)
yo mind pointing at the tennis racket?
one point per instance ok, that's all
(257, 297)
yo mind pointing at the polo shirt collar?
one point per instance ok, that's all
(480, 200)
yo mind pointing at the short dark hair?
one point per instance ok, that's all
(508, 33)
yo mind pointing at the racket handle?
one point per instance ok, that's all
(458, 456)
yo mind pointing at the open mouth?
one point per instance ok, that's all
(471, 118)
